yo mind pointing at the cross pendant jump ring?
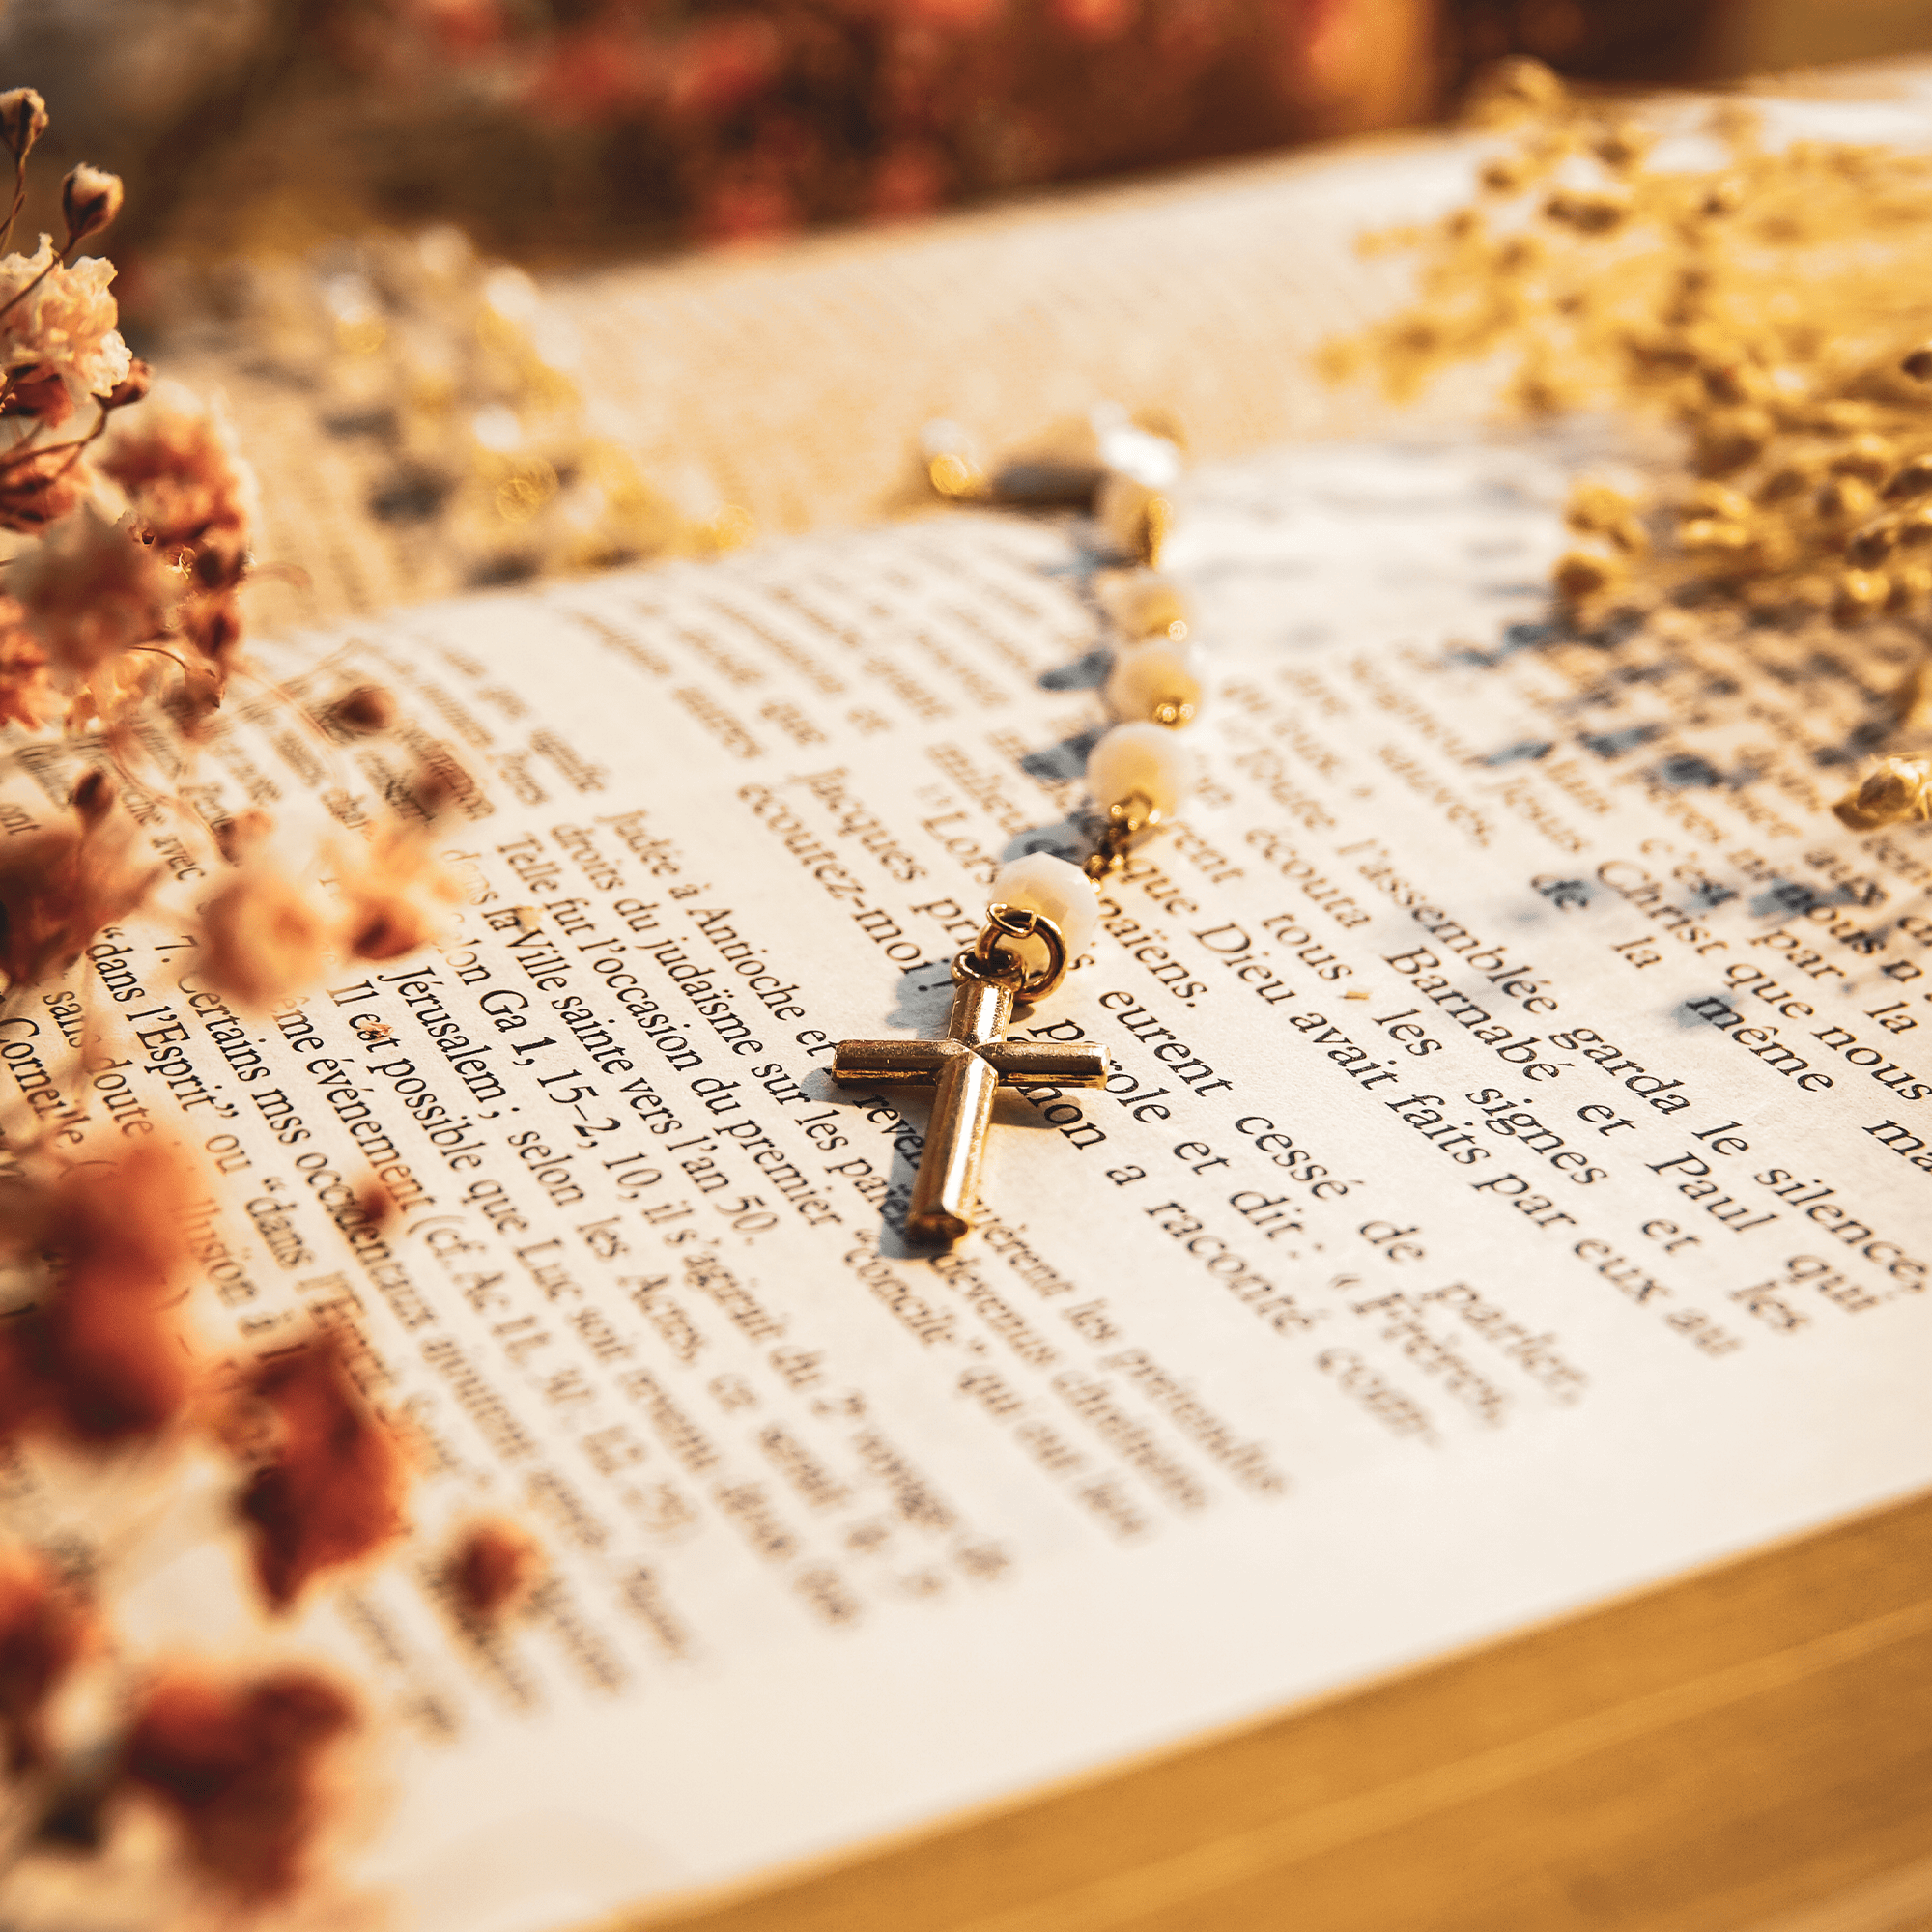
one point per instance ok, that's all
(988, 959)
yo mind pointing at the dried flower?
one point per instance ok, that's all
(1581, 574)
(1726, 299)
(1512, 91)
(332, 1489)
(1911, 481)
(60, 317)
(494, 1568)
(102, 1356)
(95, 794)
(23, 119)
(131, 388)
(38, 489)
(1870, 544)
(1861, 594)
(1589, 213)
(1898, 789)
(26, 698)
(185, 479)
(193, 499)
(389, 895)
(362, 711)
(1595, 509)
(90, 200)
(243, 835)
(262, 939)
(243, 1768)
(779, 114)
(38, 390)
(374, 1202)
(90, 592)
(45, 1631)
(59, 886)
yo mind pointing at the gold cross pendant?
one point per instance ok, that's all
(966, 1068)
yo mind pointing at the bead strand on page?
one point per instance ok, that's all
(1136, 773)
(1045, 909)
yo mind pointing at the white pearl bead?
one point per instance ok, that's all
(943, 437)
(1146, 605)
(1140, 757)
(1046, 884)
(1139, 453)
(1147, 677)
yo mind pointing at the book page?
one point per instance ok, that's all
(791, 381)
(1509, 1191)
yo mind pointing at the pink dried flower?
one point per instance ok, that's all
(240, 837)
(59, 886)
(192, 497)
(25, 695)
(747, 202)
(133, 387)
(332, 1492)
(721, 65)
(187, 481)
(262, 940)
(494, 1568)
(242, 1765)
(212, 622)
(956, 16)
(89, 591)
(363, 710)
(90, 200)
(40, 392)
(908, 179)
(593, 73)
(390, 897)
(38, 489)
(1096, 20)
(45, 1631)
(101, 1358)
(467, 28)
(66, 321)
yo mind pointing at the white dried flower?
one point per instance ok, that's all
(90, 200)
(66, 321)
(23, 119)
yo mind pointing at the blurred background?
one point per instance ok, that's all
(566, 130)
(489, 287)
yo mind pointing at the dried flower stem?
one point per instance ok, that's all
(26, 447)
(19, 202)
(20, 295)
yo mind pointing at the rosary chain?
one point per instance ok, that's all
(1127, 819)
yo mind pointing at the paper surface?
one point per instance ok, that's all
(1511, 1190)
(792, 381)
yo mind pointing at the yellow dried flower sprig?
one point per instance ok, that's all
(1772, 305)
(1899, 788)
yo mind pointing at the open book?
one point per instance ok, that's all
(1510, 1191)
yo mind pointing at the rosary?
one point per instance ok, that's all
(1044, 909)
